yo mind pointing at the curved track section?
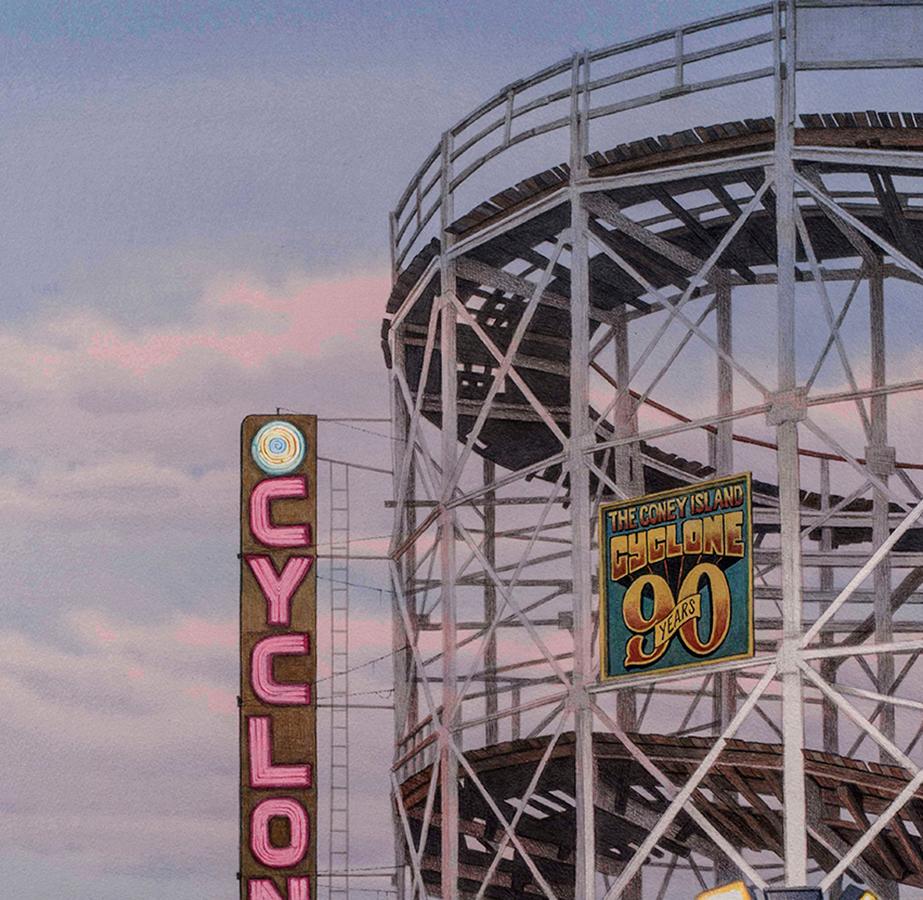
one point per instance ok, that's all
(514, 435)
(847, 792)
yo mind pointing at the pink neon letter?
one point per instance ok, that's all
(269, 489)
(278, 589)
(263, 850)
(298, 889)
(262, 679)
(263, 774)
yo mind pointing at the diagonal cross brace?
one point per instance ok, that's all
(514, 839)
(501, 608)
(682, 799)
(507, 362)
(675, 312)
(827, 201)
(821, 286)
(863, 573)
(518, 380)
(695, 281)
(523, 803)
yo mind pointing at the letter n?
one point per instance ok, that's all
(262, 889)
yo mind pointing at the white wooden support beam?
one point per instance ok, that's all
(580, 440)
(795, 808)
(449, 811)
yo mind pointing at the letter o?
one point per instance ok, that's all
(299, 832)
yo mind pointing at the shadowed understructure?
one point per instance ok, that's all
(629, 801)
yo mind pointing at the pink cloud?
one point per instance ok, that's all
(196, 632)
(104, 634)
(247, 324)
(217, 700)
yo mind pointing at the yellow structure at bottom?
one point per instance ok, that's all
(735, 891)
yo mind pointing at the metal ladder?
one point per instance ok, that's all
(338, 859)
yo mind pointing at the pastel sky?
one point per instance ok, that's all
(195, 198)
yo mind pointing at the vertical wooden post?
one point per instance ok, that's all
(785, 417)
(490, 606)
(581, 563)
(828, 668)
(448, 770)
(880, 461)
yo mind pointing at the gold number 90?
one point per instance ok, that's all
(664, 604)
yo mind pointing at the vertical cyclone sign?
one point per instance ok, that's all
(278, 611)
(676, 578)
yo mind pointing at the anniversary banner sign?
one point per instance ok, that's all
(676, 578)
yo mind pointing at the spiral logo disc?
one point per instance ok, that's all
(278, 448)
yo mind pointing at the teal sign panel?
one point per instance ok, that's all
(676, 578)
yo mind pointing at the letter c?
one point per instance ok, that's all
(294, 487)
(262, 679)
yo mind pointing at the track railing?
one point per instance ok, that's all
(497, 124)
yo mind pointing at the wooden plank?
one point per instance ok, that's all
(606, 208)
(852, 800)
(914, 812)
(474, 270)
(725, 821)
(658, 192)
(755, 235)
(858, 241)
(909, 844)
(883, 185)
(861, 869)
(708, 149)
